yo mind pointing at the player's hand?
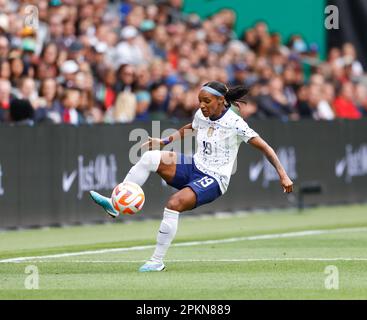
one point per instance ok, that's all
(287, 184)
(153, 144)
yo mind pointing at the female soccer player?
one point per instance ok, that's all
(205, 176)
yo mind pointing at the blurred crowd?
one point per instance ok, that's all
(95, 61)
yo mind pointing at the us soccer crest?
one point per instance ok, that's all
(210, 131)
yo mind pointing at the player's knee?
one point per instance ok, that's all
(176, 203)
(150, 160)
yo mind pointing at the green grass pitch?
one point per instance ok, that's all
(257, 256)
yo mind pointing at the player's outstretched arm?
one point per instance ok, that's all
(270, 154)
(156, 143)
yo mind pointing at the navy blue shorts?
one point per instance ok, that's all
(205, 187)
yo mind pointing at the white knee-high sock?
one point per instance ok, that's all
(166, 233)
(148, 163)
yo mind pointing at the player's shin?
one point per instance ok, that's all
(148, 163)
(166, 234)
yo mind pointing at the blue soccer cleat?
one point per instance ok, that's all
(151, 265)
(105, 203)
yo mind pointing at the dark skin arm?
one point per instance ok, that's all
(156, 143)
(257, 142)
(272, 157)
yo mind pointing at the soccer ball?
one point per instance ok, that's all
(128, 198)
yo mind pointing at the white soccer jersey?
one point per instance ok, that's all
(217, 144)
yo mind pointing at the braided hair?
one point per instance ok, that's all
(231, 95)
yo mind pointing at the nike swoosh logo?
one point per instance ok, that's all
(340, 167)
(163, 232)
(255, 170)
(67, 181)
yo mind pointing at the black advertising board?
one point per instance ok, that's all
(46, 171)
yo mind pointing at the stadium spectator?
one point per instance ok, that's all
(325, 106)
(159, 42)
(125, 78)
(290, 85)
(4, 47)
(104, 90)
(55, 30)
(87, 107)
(4, 20)
(51, 109)
(251, 40)
(5, 99)
(275, 104)
(314, 99)
(344, 105)
(303, 107)
(69, 35)
(249, 109)
(70, 103)
(47, 67)
(177, 107)
(76, 52)
(128, 51)
(21, 111)
(97, 59)
(349, 57)
(175, 11)
(17, 69)
(69, 70)
(5, 72)
(154, 52)
(124, 109)
(27, 90)
(240, 74)
(159, 103)
(361, 98)
(142, 92)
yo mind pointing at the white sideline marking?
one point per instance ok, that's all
(191, 243)
(205, 260)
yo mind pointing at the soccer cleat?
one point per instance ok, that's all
(151, 265)
(105, 203)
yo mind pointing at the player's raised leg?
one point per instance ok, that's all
(183, 200)
(139, 173)
(149, 162)
(104, 202)
(162, 162)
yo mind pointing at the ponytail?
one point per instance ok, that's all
(236, 94)
(231, 95)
